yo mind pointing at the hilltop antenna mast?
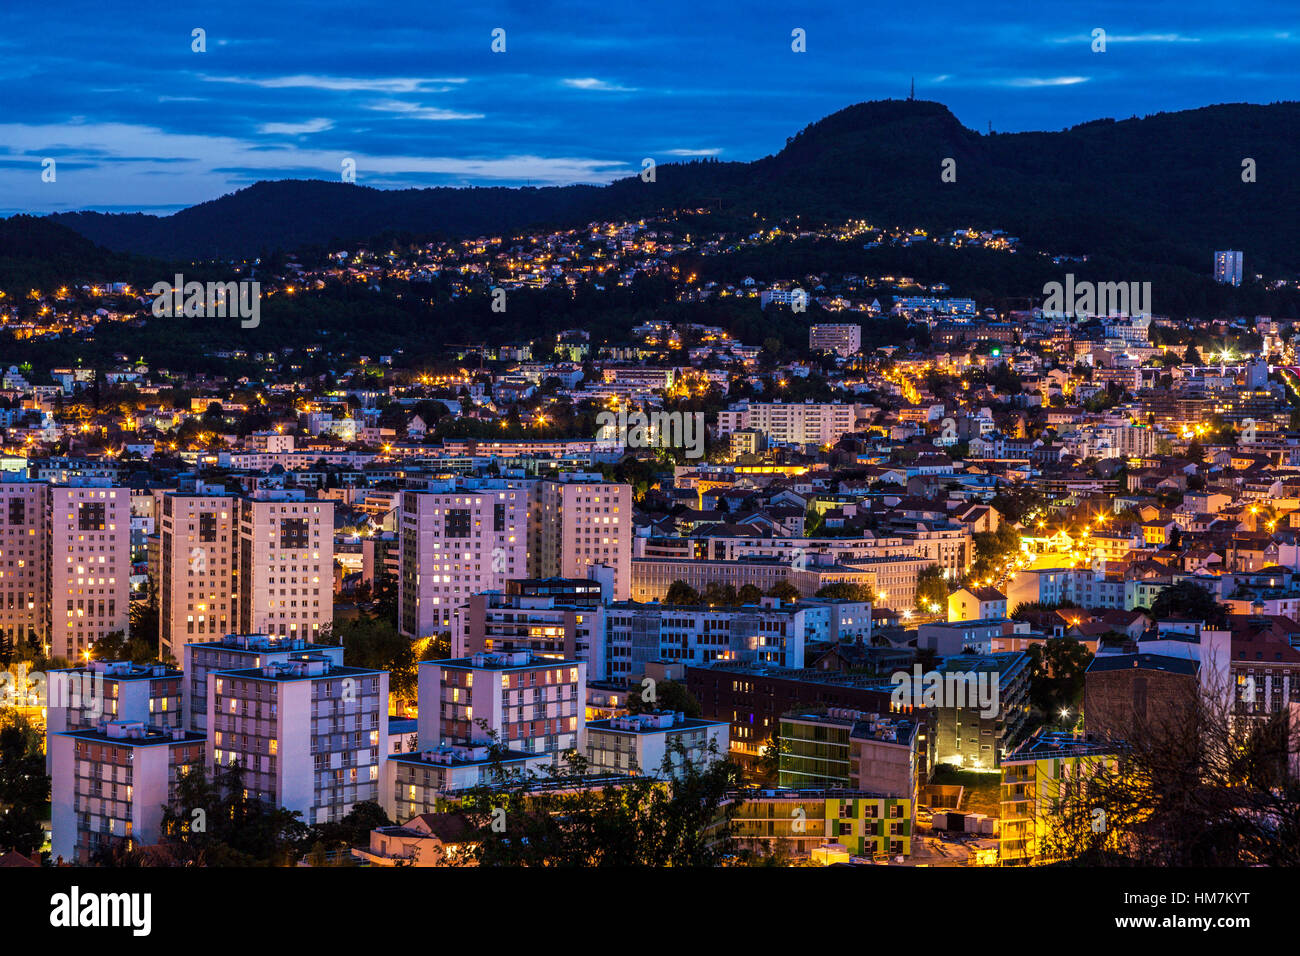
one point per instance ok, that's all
(912, 95)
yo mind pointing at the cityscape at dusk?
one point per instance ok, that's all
(653, 437)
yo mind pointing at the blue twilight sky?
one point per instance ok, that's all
(412, 92)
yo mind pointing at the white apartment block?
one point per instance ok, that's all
(88, 564)
(638, 744)
(286, 564)
(239, 652)
(1227, 267)
(533, 705)
(840, 339)
(637, 634)
(583, 522)
(794, 423)
(110, 785)
(310, 734)
(458, 539)
(23, 544)
(198, 545)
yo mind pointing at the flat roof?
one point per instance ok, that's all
(688, 723)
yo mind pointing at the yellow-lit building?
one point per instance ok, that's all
(1036, 777)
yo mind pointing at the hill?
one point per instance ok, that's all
(1165, 188)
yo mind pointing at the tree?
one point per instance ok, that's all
(784, 590)
(846, 591)
(144, 621)
(1056, 674)
(375, 643)
(353, 830)
(749, 594)
(1189, 600)
(667, 695)
(993, 551)
(679, 592)
(681, 817)
(24, 785)
(116, 646)
(931, 589)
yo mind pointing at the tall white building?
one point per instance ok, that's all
(795, 423)
(1227, 267)
(285, 582)
(584, 522)
(310, 734)
(88, 564)
(534, 705)
(239, 652)
(23, 548)
(110, 785)
(840, 339)
(459, 538)
(198, 547)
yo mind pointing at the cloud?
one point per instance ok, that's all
(296, 129)
(1035, 81)
(416, 111)
(694, 152)
(345, 84)
(217, 164)
(1131, 38)
(591, 83)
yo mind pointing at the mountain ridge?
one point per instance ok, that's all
(1165, 187)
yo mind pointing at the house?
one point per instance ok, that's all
(430, 839)
(976, 604)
